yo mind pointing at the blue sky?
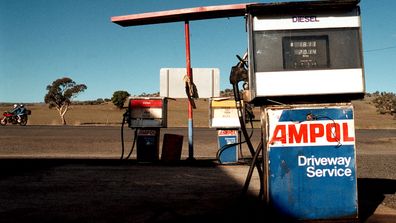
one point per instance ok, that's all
(43, 40)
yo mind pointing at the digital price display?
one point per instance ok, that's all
(305, 52)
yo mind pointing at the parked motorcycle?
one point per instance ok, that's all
(9, 117)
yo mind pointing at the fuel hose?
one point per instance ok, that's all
(124, 120)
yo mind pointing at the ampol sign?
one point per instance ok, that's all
(311, 153)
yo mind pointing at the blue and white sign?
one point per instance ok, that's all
(228, 146)
(312, 165)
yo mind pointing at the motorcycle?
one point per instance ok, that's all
(9, 117)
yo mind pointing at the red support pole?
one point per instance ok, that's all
(190, 110)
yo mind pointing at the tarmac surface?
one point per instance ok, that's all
(73, 174)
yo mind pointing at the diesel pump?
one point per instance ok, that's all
(304, 66)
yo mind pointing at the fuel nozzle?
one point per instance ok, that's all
(239, 73)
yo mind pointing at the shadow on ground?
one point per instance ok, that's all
(93, 190)
(61, 190)
(371, 193)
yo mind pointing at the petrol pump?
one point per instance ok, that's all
(224, 117)
(304, 66)
(147, 115)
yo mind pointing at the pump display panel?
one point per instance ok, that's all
(305, 52)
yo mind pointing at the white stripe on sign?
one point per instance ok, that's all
(304, 22)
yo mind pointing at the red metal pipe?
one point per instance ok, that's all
(188, 59)
(189, 74)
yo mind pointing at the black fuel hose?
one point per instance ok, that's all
(124, 118)
(227, 146)
(122, 135)
(133, 144)
(250, 173)
(224, 148)
(254, 153)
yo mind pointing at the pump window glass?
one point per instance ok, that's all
(306, 49)
(305, 52)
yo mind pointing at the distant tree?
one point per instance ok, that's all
(99, 101)
(119, 98)
(227, 93)
(60, 94)
(375, 94)
(144, 94)
(385, 102)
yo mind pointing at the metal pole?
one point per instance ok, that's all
(189, 74)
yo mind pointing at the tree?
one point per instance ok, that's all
(119, 98)
(144, 94)
(385, 102)
(60, 94)
(227, 93)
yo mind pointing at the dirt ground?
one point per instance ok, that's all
(73, 174)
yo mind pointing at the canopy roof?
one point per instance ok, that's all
(178, 15)
(224, 11)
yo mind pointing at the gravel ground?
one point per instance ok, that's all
(72, 174)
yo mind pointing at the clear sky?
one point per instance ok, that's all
(43, 40)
